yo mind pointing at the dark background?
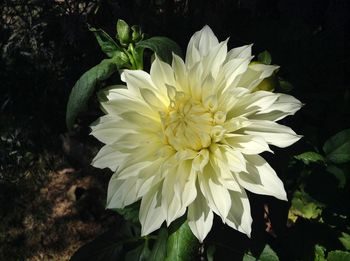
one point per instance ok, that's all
(46, 46)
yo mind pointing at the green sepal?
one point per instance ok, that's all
(107, 44)
(123, 32)
(162, 46)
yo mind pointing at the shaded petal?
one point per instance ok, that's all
(252, 103)
(151, 214)
(261, 178)
(162, 74)
(255, 74)
(200, 217)
(199, 45)
(285, 105)
(216, 194)
(274, 133)
(239, 216)
(109, 128)
(244, 51)
(180, 73)
(247, 144)
(213, 61)
(108, 157)
(171, 202)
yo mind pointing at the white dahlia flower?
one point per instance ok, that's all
(187, 137)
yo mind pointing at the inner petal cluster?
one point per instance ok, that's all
(189, 124)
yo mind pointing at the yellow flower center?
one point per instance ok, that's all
(188, 124)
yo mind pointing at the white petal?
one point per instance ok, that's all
(214, 191)
(244, 51)
(171, 202)
(285, 105)
(232, 71)
(109, 128)
(151, 214)
(239, 216)
(222, 169)
(137, 79)
(162, 74)
(274, 133)
(252, 103)
(200, 217)
(247, 144)
(235, 160)
(202, 41)
(121, 192)
(261, 178)
(255, 74)
(185, 184)
(214, 59)
(153, 100)
(180, 73)
(108, 157)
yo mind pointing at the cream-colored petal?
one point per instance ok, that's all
(180, 74)
(251, 104)
(203, 41)
(261, 178)
(121, 192)
(200, 217)
(274, 133)
(284, 106)
(171, 202)
(247, 144)
(234, 159)
(216, 194)
(255, 74)
(137, 79)
(213, 61)
(239, 216)
(222, 169)
(108, 157)
(151, 214)
(244, 51)
(162, 74)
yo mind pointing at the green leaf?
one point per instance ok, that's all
(159, 248)
(123, 31)
(182, 245)
(249, 257)
(107, 44)
(304, 206)
(268, 254)
(136, 33)
(130, 213)
(338, 255)
(337, 148)
(285, 86)
(310, 157)
(140, 253)
(162, 46)
(345, 240)
(85, 86)
(265, 57)
(210, 253)
(338, 173)
(320, 253)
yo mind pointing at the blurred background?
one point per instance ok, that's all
(51, 201)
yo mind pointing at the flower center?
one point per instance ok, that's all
(188, 124)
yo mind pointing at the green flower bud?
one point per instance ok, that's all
(123, 32)
(137, 35)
